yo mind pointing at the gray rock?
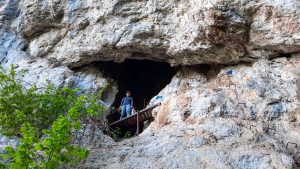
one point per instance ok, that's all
(79, 32)
(274, 111)
(49, 38)
(196, 142)
(221, 128)
(253, 161)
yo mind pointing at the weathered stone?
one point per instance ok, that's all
(221, 128)
(238, 135)
(208, 118)
(79, 32)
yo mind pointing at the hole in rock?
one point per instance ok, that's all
(288, 56)
(24, 48)
(144, 78)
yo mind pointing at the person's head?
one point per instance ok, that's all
(128, 93)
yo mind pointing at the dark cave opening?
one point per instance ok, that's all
(144, 78)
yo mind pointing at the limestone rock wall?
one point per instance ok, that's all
(207, 119)
(211, 120)
(182, 32)
(20, 20)
(14, 49)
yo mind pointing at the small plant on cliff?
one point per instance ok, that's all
(43, 120)
(127, 135)
(117, 132)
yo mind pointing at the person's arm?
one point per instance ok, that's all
(131, 102)
(122, 101)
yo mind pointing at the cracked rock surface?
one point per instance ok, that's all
(211, 120)
(208, 119)
(181, 32)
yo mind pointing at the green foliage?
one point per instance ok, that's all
(117, 132)
(127, 135)
(119, 136)
(45, 120)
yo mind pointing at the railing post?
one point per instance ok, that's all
(137, 124)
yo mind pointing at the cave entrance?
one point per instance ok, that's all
(144, 78)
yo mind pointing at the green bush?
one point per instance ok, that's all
(44, 120)
(127, 135)
(117, 132)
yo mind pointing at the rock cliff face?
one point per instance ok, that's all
(16, 47)
(207, 119)
(78, 32)
(210, 120)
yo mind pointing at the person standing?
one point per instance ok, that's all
(126, 105)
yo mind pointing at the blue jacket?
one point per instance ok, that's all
(127, 100)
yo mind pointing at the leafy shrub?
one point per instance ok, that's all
(43, 119)
(127, 135)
